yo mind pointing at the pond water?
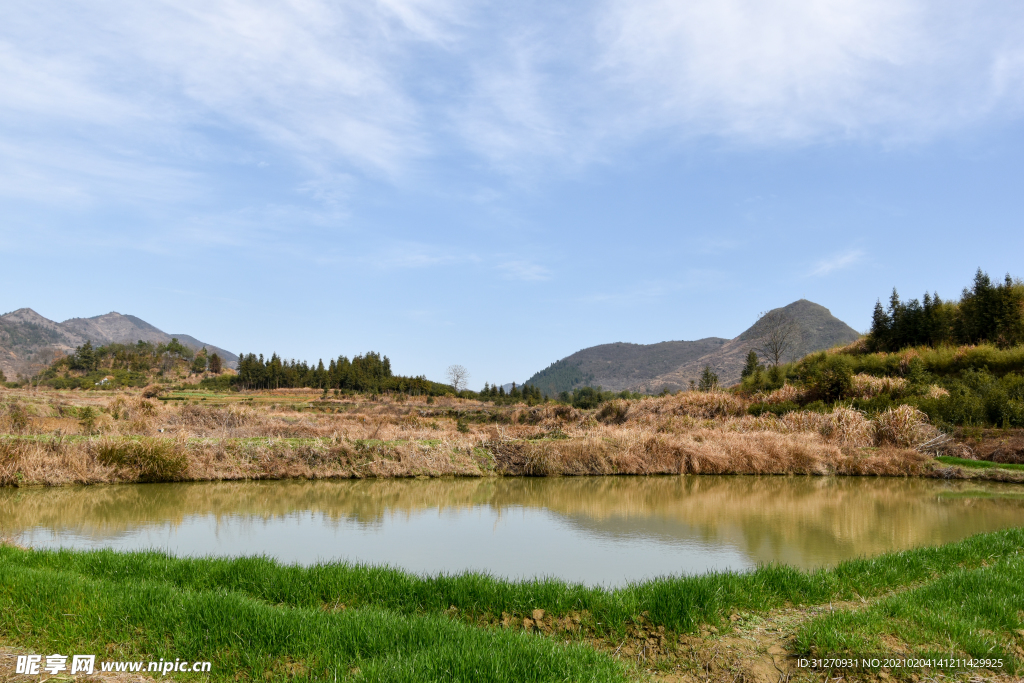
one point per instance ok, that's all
(599, 530)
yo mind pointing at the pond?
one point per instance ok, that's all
(598, 530)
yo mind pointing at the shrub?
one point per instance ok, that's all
(17, 415)
(873, 405)
(614, 412)
(586, 398)
(87, 418)
(150, 459)
(828, 377)
(961, 407)
(708, 379)
(780, 408)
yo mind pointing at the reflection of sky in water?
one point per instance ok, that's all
(602, 530)
(518, 542)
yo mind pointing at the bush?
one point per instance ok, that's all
(17, 415)
(152, 391)
(833, 380)
(773, 408)
(874, 405)
(708, 380)
(614, 412)
(150, 459)
(87, 418)
(961, 407)
(586, 398)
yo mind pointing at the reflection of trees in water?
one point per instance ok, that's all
(800, 520)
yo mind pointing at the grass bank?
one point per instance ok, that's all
(972, 611)
(257, 619)
(678, 604)
(138, 618)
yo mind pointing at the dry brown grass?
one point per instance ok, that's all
(294, 434)
(868, 386)
(855, 347)
(785, 393)
(903, 427)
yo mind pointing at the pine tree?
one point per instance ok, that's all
(708, 379)
(751, 365)
(880, 328)
(199, 362)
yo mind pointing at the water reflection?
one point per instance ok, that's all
(599, 529)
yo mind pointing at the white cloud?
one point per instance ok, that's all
(804, 70)
(582, 85)
(187, 83)
(837, 262)
(380, 87)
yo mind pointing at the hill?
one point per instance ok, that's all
(29, 342)
(671, 365)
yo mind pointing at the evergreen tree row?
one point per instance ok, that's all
(369, 373)
(986, 312)
(527, 394)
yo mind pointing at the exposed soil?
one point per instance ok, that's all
(754, 648)
(995, 445)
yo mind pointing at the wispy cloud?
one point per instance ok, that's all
(379, 87)
(525, 271)
(189, 84)
(690, 280)
(403, 255)
(837, 262)
(796, 70)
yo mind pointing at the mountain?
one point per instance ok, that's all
(671, 365)
(29, 342)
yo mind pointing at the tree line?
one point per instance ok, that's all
(365, 373)
(139, 357)
(986, 312)
(526, 393)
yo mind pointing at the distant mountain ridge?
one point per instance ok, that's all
(671, 365)
(29, 342)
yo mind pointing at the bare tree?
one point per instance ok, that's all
(779, 335)
(457, 376)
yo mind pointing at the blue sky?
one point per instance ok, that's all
(501, 184)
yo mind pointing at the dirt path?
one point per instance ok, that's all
(757, 648)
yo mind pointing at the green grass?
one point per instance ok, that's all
(680, 603)
(977, 612)
(257, 618)
(979, 464)
(136, 618)
(944, 360)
